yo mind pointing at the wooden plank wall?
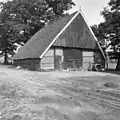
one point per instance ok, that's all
(32, 64)
(47, 62)
(70, 58)
(77, 35)
(99, 58)
(88, 59)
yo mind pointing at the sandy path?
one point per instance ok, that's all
(26, 95)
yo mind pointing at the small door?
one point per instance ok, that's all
(58, 62)
(58, 59)
(88, 58)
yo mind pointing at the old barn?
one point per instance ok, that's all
(65, 44)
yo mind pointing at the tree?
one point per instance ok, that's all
(99, 32)
(6, 46)
(21, 19)
(111, 14)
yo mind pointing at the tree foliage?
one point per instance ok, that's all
(21, 19)
(109, 30)
(99, 32)
(111, 15)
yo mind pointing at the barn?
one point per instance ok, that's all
(67, 43)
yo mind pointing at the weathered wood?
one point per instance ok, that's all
(98, 58)
(59, 58)
(77, 35)
(72, 58)
(88, 59)
(32, 64)
(47, 62)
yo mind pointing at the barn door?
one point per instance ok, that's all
(88, 58)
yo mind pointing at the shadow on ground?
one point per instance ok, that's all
(113, 71)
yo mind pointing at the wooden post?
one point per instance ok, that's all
(54, 58)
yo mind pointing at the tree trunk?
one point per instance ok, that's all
(5, 58)
(118, 64)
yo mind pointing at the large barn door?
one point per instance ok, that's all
(88, 58)
(47, 62)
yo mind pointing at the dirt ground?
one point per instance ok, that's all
(27, 95)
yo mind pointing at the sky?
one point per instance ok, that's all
(91, 9)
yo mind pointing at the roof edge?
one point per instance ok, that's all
(93, 34)
(65, 27)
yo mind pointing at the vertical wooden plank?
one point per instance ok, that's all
(59, 58)
(72, 58)
(54, 59)
(99, 58)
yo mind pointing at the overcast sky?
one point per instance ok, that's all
(91, 9)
